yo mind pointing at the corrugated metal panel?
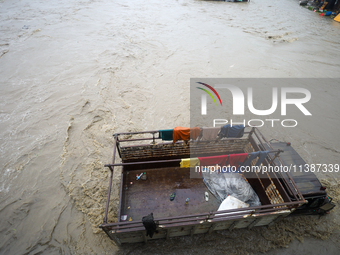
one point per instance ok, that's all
(273, 194)
(157, 151)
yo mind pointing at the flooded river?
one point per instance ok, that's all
(72, 73)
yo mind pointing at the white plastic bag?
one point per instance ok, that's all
(222, 185)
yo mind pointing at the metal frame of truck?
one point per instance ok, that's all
(280, 191)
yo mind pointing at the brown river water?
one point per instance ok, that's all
(72, 73)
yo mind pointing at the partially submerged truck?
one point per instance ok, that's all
(153, 181)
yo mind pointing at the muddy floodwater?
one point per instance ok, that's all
(72, 73)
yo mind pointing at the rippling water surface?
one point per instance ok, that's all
(74, 72)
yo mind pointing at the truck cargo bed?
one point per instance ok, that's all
(153, 194)
(159, 161)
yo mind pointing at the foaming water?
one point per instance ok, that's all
(74, 73)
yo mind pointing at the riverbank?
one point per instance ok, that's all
(329, 9)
